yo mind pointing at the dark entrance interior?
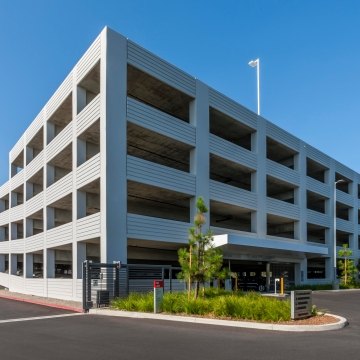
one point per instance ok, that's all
(251, 275)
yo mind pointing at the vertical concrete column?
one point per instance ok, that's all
(29, 154)
(14, 231)
(113, 147)
(50, 132)
(332, 213)
(268, 278)
(50, 175)
(81, 204)
(78, 158)
(303, 270)
(29, 190)
(2, 205)
(29, 228)
(81, 257)
(81, 151)
(81, 99)
(2, 262)
(29, 265)
(2, 233)
(13, 198)
(259, 218)
(13, 264)
(300, 196)
(199, 157)
(50, 263)
(328, 269)
(50, 218)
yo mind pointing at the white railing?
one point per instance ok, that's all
(88, 115)
(17, 179)
(60, 288)
(5, 217)
(35, 287)
(88, 227)
(17, 212)
(59, 189)
(60, 235)
(88, 171)
(17, 246)
(34, 204)
(35, 242)
(59, 96)
(59, 142)
(35, 165)
(89, 59)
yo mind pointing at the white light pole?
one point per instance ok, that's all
(256, 63)
(335, 284)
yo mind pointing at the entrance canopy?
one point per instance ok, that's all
(241, 247)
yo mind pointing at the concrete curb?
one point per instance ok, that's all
(43, 303)
(239, 324)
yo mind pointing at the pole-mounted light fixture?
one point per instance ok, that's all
(256, 63)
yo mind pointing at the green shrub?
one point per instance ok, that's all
(216, 303)
(135, 302)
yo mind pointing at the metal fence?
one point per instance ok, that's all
(104, 282)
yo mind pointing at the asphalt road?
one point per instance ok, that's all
(10, 309)
(97, 337)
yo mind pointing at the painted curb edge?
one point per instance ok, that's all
(232, 323)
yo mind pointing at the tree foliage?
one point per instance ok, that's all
(200, 261)
(346, 265)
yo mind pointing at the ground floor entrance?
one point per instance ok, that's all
(258, 275)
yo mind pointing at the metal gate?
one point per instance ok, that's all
(101, 284)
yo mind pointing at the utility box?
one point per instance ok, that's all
(301, 304)
(103, 298)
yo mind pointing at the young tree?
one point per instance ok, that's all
(346, 266)
(200, 261)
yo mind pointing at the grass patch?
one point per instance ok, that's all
(216, 303)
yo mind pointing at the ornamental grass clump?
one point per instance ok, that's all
(135, 302)
(215, 303)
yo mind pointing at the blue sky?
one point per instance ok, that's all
(309, 51)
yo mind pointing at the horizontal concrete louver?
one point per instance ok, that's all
(60, 235)
(35, 242)
(35, 126)
(146, 172)
(157, 121)
(282, 172)
(88, 171)
(162, 70)
(88, 227)
(88, 116)
(232, 152)
(88, 60)
(232, 195)
(282, 136)
(281, 208)
(150, 228)
(60, 95)
(231, 108)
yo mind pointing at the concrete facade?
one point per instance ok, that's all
(111, 167)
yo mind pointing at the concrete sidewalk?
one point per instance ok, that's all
(39, 300)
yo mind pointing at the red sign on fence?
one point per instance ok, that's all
(158, 284)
